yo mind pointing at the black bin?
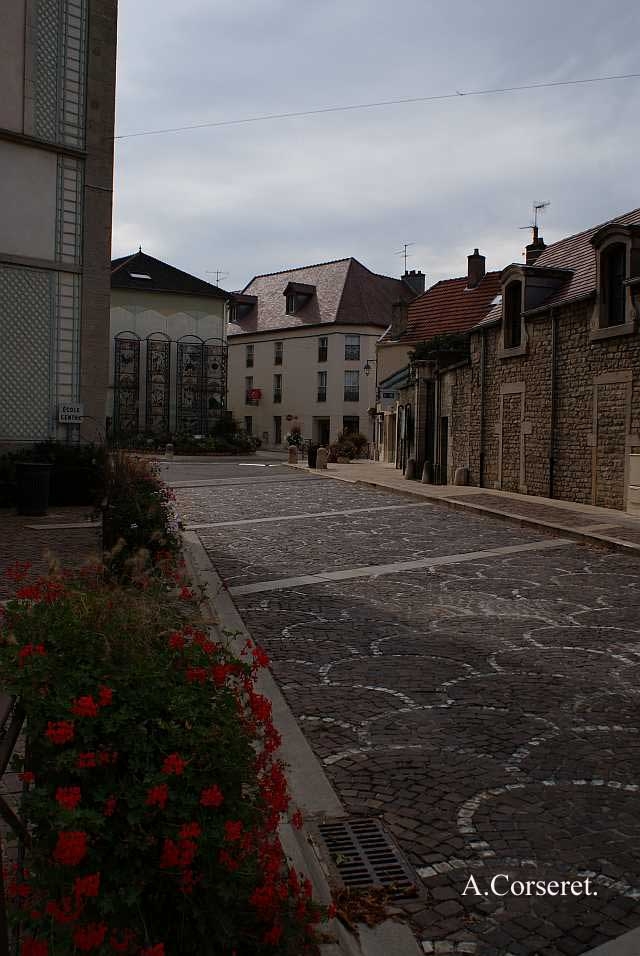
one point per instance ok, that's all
(33, 479)
(312, 456)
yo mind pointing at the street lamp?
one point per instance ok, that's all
(367, 366)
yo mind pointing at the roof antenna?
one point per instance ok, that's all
(140, 248)
(403, 252)
(219, 274)
(538, 208)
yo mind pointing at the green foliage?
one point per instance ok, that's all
(450, 346)
(153, 794)
(139, 526)
(349, 445)
(77, 477)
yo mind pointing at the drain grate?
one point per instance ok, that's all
(365, 856)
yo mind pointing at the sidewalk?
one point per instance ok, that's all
(587, 523)
(66, 534)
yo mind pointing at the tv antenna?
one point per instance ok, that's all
(538, 209)
(403, 252)
(219, 274)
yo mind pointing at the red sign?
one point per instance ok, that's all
(254, 394)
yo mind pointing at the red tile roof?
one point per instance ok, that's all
(449, 306)
(576, 254)
(345, 291)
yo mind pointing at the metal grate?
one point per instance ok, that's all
(365, 856)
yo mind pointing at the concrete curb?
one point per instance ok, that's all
(461, 504)
(627, 945)
(309, 785)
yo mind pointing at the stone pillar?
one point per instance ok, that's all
(293, 455)
(321, 460)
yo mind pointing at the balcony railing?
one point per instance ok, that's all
(352, 394)
(352, 353)
(277, 358)
(322, 353)
(322, 394)
(248, 400)
(277, 396)
(249, 362)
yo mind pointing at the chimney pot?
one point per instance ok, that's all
(535, 249)
(475, 269)
(415, 280)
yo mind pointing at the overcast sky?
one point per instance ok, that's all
(446, 175)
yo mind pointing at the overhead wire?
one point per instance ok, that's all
(378, 104)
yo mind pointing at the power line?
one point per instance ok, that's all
(378, 104)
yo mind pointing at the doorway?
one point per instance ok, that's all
(322, 431)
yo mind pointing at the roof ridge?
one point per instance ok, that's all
(585, 232)
(312, 265)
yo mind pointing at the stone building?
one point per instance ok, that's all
(57, 77)
(414, 407)
(549, 401)
(301, 343)
(168, 355)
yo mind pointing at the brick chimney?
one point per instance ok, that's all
(475, 269)
(415, 280)
(399, 319)
(535, 248)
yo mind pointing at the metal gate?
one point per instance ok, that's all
(126, 384)
(158, 385)
(215, 382)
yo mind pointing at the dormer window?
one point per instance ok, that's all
(297, 295)
(613, 273)
(512, 315)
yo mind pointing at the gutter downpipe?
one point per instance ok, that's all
(554, 352)
(482, 363)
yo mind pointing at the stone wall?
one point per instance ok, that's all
(597, 411)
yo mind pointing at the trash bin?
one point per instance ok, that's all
(33, 479)
(312, 455)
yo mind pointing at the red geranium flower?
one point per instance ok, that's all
(28, 651)
(232, 830)
(105, 696)
(158, 796)
(211, 796)
(90, 936)
(27, 776)
(190, 831)
(71, 847)
(86, 760)
(34, 947)
(60, 731)
(196, 675)
(125, 943)
(65, 911)
(157, 950)
(176, 641)
(17, 571)
(84, 707)
(272, 936)
(87, 886)
(109, 806)
(174, 764)
(68, 797)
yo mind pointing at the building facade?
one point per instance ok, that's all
(302, 350)
(57, 77)
(168, 355)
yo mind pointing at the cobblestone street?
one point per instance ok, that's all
(473, 683)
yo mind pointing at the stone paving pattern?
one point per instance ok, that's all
(71, 546)
(487, 711)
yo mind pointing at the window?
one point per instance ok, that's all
(512, 314)
(248, 389)
(277, 389)
(249, 351)
(277, 353)
(352, 348)
(248, 424)
(291, 303)
(613, 268)
(350, 425)
(352, 385)
(323, 348)
(322, 386)
(277, 429)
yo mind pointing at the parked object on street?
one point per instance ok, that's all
(461, 476)
(427, 473)
(312, 455)
(293, 455)
(322, 458)
(34, 481)
(410, 473)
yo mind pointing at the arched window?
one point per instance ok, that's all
(613, 269)
(512, 315)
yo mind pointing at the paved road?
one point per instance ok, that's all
(473, 683)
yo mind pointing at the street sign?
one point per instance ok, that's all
(71, 413)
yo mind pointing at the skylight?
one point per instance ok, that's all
(139, 275)
(497, 300)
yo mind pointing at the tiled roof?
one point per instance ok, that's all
(345, 292)
(147, 274)
(576, 254)
(449, 306)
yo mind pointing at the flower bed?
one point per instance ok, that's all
(153, 789)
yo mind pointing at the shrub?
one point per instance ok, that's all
(153, 793)
(139, 524)
(349, 445)
(77, 477)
